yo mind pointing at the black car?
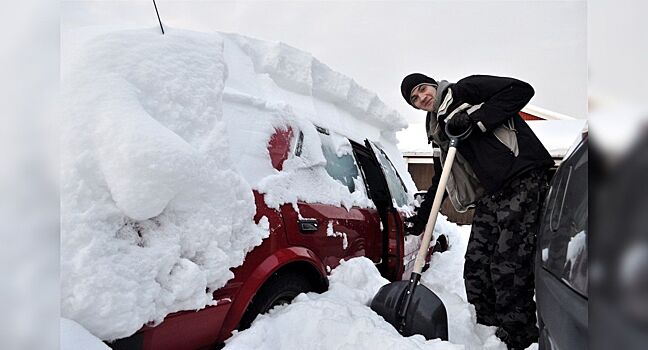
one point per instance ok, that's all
(561, 261)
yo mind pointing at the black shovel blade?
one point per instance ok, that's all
(425, 315)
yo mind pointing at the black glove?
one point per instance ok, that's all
(414, 225)
(459, 123)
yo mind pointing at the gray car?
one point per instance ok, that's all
(561, 261)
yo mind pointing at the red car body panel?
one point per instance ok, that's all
(358, 227)
(186, 329)
(274, 253)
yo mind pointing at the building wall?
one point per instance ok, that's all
(527, 116)
(422, 174)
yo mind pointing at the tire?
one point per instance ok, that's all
(280, 289)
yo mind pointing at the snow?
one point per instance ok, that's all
(545, 254)
(331, 233)
(445, 278)
(164, 138)
(575, 246)
(147, 189)
(280, 75)
(337, 319)
(340, 318)
(298, 71)
(74, 336)
(302, 177)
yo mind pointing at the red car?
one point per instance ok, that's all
(301, 249)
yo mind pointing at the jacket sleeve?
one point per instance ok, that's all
(502, 98)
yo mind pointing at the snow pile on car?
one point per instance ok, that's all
(298, 71)
(272, 85)
(251, 122)
(152, 213)
(162, 142)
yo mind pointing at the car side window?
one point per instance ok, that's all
(340, 162)
(563, 235)
(394, 182)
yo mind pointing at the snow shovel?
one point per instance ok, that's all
(409, 307)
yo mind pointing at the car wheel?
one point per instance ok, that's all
(280, 289)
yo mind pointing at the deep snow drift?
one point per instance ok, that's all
(163, 140)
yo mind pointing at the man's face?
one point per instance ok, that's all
(423, 96)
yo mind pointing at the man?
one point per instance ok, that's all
(500, 169)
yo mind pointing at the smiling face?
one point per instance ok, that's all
(423, 96)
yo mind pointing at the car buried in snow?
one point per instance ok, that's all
(306, 241)
(318, 154)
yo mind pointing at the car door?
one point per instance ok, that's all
(561, 262)
(335, 232)
(402, 249)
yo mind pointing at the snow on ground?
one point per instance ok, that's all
(445, 277)
(337, 319)
(340, 318)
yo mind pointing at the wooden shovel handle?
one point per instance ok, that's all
(436, 205)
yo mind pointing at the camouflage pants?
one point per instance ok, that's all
(498, 271)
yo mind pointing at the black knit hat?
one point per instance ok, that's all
(413, 80)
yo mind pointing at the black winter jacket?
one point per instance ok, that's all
(493, 162)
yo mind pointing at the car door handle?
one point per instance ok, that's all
(308, 225)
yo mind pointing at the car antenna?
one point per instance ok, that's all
(158, 16)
